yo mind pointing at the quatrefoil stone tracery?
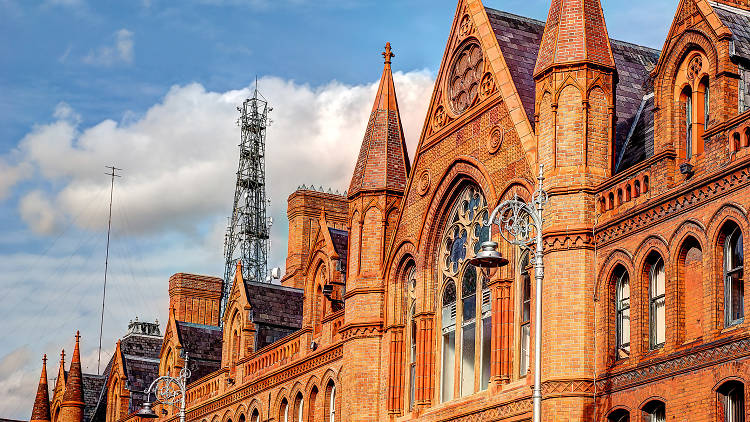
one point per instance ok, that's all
(466, 74)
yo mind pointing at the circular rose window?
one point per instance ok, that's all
(465, 75)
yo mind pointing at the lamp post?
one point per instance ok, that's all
(520, 224)
(169, 391)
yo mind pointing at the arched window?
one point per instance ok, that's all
(690, 271)
(655, 411)
(734, 283)
(619, 415)
(525, 306)
(255, 417)
(657, 313)
(731, 402)
(637, 188)
(744, 89)
(299, 405)
(466, 331)
(312, 404)
(411, 302)
(688, 99)
(330, 409)
(284, 411)
(622, 311)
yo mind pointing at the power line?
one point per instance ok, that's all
(113, 174)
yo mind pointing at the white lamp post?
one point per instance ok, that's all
(520, 224)
(169, 391)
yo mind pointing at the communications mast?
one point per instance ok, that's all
(247, 235)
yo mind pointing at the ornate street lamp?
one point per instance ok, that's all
(520, 224)
(168, 391)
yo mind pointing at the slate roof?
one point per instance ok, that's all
(93, 385)
(340, 240)
(519, 39)
(140, 357)
(275, 305)
(738, 21)
(203, 345)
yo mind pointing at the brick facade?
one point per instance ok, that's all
(379, 317)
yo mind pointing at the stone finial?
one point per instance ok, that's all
(388, 54)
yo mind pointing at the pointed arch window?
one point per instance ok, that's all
(734, 282)
(657, 314)
(525, 316)
(284, 411)
(410, 303)
(330, 410)
(466, 323)
(255, 416)
(655, 411)
(622, 310)
(731, 402)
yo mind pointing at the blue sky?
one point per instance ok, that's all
(151, 86)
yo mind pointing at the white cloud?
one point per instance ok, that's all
(170, 206)
(10, 175)
(121, 51)
(180, 157)
(38, 212)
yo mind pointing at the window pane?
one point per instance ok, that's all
(449, 356)
(467, 359)
(412, 381)
(706, 108)
(470, 308)
(658, 279)
(737, 296)
(688, 126)
(525, 341)
(660, 329)
(526, 305)
(737, 251)
(486, 351)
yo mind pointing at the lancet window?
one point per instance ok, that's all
(466, 312)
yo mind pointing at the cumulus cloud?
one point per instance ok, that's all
(121, 51)
(180, 157)
(179, 160)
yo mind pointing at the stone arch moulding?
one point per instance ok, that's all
(227, 416)
(689, 227)
(311, 382)
(569, 81)
(280, 396)
(618, 256)
(297, 388)
(725, 379)
(463, 169)
(254, 405)
(729, 211)
(239, 411)
(515, 185)
(650, 399)
(328, 376)
(653, 243)
(396, 275)
(677, 52)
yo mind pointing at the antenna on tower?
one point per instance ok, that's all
(247, 234)
(112, 174)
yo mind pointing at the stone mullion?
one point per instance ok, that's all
(396, 381)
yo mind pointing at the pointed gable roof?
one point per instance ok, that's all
(575, 32)
(74, 386)
(61, 377)
(41, 412)
(383, 162)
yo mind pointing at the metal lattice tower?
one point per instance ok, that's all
(247, 235)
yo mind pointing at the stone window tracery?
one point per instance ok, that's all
(465, 76)
(466, 323)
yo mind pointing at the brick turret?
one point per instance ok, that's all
(41, 412)
(71, 409)
(575, 79)
(375, 195)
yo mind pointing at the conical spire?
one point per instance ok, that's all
(383, 163)
(575, 32)
(72, 402)
(41, 412)
(60, 383)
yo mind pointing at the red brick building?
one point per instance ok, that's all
(380, 317)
